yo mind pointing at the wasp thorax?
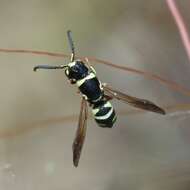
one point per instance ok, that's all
(76, 70)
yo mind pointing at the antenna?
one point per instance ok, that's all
(49, 67)
(71, 45)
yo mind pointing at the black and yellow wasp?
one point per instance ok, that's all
(97, 94)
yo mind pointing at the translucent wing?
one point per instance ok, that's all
(136, 102)
(80, 133)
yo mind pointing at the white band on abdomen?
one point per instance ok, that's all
(105, 116)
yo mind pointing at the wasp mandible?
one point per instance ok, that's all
(97, 94)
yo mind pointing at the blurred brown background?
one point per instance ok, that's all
(144, 151)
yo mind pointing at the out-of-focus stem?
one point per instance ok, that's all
(180, 24)
(170, 84)
(23, 128)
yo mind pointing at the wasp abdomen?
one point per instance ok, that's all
(104, 114)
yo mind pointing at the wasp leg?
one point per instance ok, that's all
(107, 96)
(89, 66)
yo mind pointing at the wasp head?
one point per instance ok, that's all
(76, 70)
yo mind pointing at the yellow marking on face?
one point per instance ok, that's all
(67, 72)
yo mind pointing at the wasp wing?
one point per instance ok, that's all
(133, 101)
(80, 133)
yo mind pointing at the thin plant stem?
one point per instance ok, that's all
(170, 84)
(24, 128)
(172, 5)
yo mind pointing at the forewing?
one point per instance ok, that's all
(136, 102)
(80, 133)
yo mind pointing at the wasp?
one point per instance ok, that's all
(97, 94)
